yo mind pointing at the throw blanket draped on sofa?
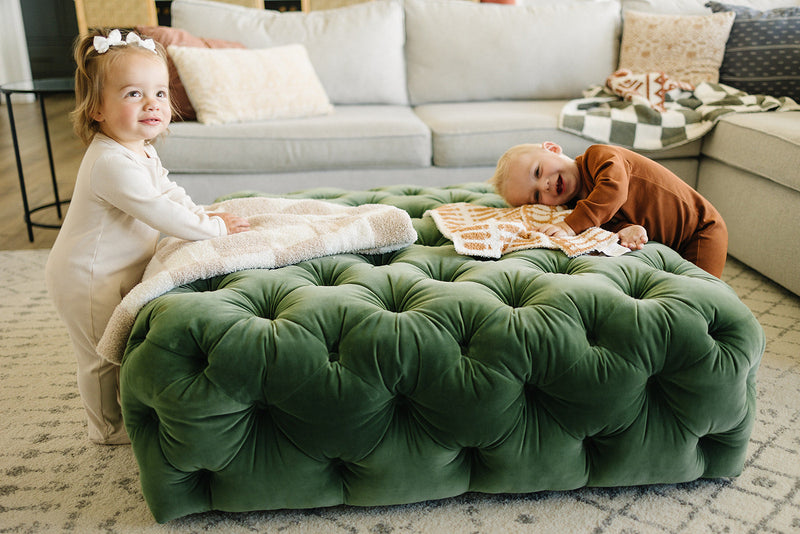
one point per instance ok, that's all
(283, 232)
(610, 118)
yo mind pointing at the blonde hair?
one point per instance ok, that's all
(498, 179)
(90, 74)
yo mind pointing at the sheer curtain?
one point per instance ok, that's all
(14, 63)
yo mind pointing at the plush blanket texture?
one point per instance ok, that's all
(491, 232)
(283, 232)
(629, 111)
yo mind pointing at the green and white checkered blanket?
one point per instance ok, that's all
(606, 118)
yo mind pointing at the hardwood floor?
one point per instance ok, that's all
(67, 155)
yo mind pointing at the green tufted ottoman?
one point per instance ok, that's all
(421, 374)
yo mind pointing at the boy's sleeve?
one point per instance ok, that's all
(122, 183)
(609, 174)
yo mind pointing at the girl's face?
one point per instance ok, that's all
(135, 100)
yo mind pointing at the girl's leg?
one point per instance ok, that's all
(98, 379)
(98, 384)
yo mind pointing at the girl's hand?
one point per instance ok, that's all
(233, 223)
(561, 229)
(634, 237)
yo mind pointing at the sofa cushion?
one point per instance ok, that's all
(761, 216)
(676, 7)
(353, 137)
(477, 133)
(766, 144)
(762, 55)
(689, 48)
(357, 51)
(494, 52)
(231, 85)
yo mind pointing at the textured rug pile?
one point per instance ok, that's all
(53, 480)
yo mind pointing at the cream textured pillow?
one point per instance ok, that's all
(237, 85)
(688, 48)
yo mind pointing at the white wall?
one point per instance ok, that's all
(14, 62)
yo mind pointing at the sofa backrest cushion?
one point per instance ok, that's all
(357, 51)
(460, 51)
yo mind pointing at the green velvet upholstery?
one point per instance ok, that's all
(421, 374)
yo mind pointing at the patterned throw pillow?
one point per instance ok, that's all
(688, 48)
(241, 85)
(762, 55)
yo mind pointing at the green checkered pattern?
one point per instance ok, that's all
(689, 115)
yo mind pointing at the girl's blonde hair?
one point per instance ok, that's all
(90, 73)
(498, 179)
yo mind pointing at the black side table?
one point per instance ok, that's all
(39, 88)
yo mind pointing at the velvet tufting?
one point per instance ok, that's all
(422, 374)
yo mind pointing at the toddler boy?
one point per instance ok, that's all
(620, 191)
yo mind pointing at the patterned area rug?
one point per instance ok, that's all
(53, 480)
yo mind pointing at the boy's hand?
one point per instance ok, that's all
(233, 223)
(561, 229)
(634, 237)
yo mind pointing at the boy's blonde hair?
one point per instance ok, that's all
(498, 179)
(90, 76)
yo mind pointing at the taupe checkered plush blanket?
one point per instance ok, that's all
(282, 232)
(688, 115)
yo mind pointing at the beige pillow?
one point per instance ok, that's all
(240, 85)
(172, 36)
(688, 48)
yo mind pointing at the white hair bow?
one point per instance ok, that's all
(102, 44)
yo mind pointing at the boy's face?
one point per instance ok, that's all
(541, 175)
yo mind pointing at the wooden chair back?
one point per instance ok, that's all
(116, 14)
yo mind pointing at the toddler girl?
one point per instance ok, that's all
(121, 204)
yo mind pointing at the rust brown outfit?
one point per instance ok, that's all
(626, 188)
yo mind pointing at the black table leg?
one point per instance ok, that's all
(21, 176)
(50, 155)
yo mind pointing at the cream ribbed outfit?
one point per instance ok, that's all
(121, 204)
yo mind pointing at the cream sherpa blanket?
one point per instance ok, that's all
(282, 232)
(492, 232)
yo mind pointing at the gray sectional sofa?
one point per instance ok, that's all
(432, 92)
